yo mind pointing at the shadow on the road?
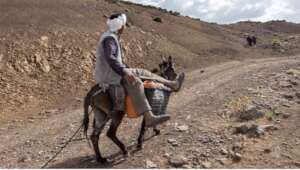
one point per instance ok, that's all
(89, 161)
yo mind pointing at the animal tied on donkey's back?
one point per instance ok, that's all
(98, 98)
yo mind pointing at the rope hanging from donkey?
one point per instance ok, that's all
(64, 146)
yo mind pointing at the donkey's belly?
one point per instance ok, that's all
(102, 101)
(158, 99)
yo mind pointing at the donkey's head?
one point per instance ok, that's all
(166, 69)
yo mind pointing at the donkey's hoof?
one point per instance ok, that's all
(156, 131)
(102, 160)
(139, 147)
(126, 154)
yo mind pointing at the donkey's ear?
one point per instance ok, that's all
(155, 70)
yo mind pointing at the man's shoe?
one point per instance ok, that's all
(179, 80)
(152, 120)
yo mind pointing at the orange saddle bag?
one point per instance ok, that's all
(129, 106)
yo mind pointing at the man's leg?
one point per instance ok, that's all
(117, 96)
(141, 104)
(145, 74)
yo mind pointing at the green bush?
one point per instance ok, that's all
(157, 19)
(276, 41)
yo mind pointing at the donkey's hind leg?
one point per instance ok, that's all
(112, 131)
(100, 119)
(141, 135)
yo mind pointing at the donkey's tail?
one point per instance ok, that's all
(87, 102)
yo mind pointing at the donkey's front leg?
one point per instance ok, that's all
(100, 120)
(95, 140)
(112, 131)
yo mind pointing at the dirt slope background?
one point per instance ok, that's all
(47, 56)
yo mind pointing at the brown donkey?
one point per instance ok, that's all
(100, 102)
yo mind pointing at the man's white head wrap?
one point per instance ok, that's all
(117, 23)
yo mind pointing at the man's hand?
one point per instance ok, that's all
(130, 78)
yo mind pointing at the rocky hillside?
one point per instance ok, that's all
(287, 34)
(47, 48)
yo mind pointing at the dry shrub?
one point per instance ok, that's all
(239, 105)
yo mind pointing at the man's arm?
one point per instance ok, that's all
(110, 53)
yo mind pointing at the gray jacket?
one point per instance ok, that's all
(105, 73)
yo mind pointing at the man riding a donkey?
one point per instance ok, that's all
(115, 79)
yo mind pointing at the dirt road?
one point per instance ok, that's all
(199, 135)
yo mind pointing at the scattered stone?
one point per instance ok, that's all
(177, 161)
(58, 46)
(150, 164)
(223, 161)
(286, 155)
(148, 43)
(41, 153)
(1, 63)
(267, 150)
(277, 112)
(288, 96)
(251, 113)
(268, 127)
(260, 131)
(173, 142)
(21, 160)
(51, 111)
(253, 130)
(286, 115)
(298, 94)
(31, 120)
(187, 166)
(297, 164)
(285, 84)
(293, 72)
(224, 151)
(44, 41)
(286, 105)
(167, 155)
(250, 129)
(78, 99)
(42, 62)
(206, 165)
(182, 128)
(237, 146)
(294, 82)
(237, 157)
(277, 121)
(204, 139)
(205, 154)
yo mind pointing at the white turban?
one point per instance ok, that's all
(115, 24)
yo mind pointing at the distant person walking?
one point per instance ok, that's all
(253, 40)
(249, 40)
